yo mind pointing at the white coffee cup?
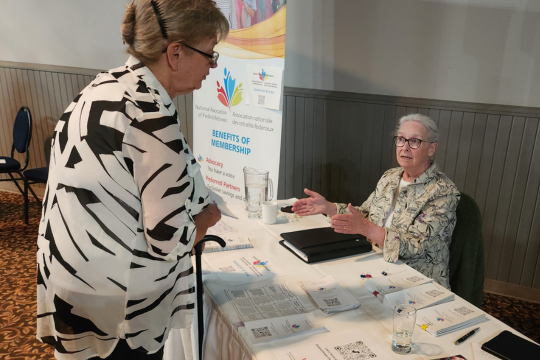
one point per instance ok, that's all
(269, 212)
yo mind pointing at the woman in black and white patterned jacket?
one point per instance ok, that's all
(125, 202)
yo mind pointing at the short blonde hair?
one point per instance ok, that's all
(188, 21)
(429, 124)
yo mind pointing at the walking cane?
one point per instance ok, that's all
(199, 289)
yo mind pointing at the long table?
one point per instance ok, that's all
(227, 339)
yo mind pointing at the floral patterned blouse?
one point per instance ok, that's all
(424, 218)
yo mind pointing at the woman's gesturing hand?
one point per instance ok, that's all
(356, 223)
(313, 205)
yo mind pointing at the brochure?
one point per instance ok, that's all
(420, 296)
(381, 286)
(272, 329)
(234, 241)
(330, 296)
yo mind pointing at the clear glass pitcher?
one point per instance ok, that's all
(259, 188)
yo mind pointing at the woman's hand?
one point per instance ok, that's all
(313, 205)
(205, 219)
(356, 223)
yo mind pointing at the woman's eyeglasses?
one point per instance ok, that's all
(213, 58)
(413, 142)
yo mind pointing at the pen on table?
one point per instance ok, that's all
(466, 336)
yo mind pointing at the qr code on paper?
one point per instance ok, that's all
(414, 279)
(261, 99)
(261, 332)
(463, 311)
(332, 302)
(227, 269)
(355, 351)
(435, 293)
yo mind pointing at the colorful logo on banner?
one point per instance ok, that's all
(263, 75)
(322, 289)
(260, 263)
(228, 94)
(200, 158)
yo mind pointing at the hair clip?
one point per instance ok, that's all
(160, 21)
(363, 276)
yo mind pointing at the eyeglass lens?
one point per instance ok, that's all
(413, 143)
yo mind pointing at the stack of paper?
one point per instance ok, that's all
(446, 318)
(392, 283)
(330, 296)
(272, 329)
(233, 240)
(420, 296)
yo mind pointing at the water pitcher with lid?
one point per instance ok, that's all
(259, 188)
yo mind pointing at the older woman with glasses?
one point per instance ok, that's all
(412, 212)
(126, 202)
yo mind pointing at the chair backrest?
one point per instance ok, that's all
(467, 252)
(22, 130)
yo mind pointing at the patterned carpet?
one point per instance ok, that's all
(18, 284)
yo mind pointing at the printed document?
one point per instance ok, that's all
(242, 266)
(329, 295)
(233, 241)
(420, 296)
(272, 329)
(347, 345)
(449, 317)
(385, 285)
(220, 228)
(266, 302)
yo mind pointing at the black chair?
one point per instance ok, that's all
(467, 252)
(36, 176)
(22, 134)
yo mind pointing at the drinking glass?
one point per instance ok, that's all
(404, 322)
(253, 201)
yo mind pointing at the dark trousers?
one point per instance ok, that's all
(122, 351)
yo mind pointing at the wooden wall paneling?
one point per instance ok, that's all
(309, 131)
(37, 117)
(464, 147)
(281, 194)
(510, 196)
(486, 161)
(289, 147)
(327, 145)
(375, 170)
(434, 114)
(26, 98)
(535, 235)
(350, 173)
(189, 111)
(531, 216)
(81, 83)
(336, 122)
(63, 91)
(453, 144)
(423, 111)
(6, 130)
(388, 148)
(319, 134)
(50, 105)
(475, 154)
(37, 134)
(43, 118)
(368, 114)
(356, 133)
(19, 101)
(497, 205)
(444, 130)
(520, 213)
(298, 142)
(53, 89)
(400, 112)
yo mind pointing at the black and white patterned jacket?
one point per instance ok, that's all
(117, 222)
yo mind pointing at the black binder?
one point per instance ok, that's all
(509, 346)
(325, 244)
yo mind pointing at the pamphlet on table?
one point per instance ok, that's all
(220, 228)
(233, 241)
(329, 296)
(392, 283)
(242, 266)
(420, 296)
(221, 204)
(272, 329)
(346, 345)
(267, 302)
(449, 317)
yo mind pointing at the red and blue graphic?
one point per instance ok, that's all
(295, 326)
(440, 319)
(263, 75)
(411, 302)
(231, 239)
(391, 287)
(260, 263)
(228, 94)
(321, 289)
(200, 158)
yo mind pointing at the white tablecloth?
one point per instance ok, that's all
(226, 340)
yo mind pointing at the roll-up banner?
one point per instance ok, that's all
(237, 113)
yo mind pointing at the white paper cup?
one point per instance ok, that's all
(269, 212)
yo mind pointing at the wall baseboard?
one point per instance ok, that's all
(512, 290)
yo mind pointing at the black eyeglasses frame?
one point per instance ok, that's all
(407, 141)
(213, 58)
